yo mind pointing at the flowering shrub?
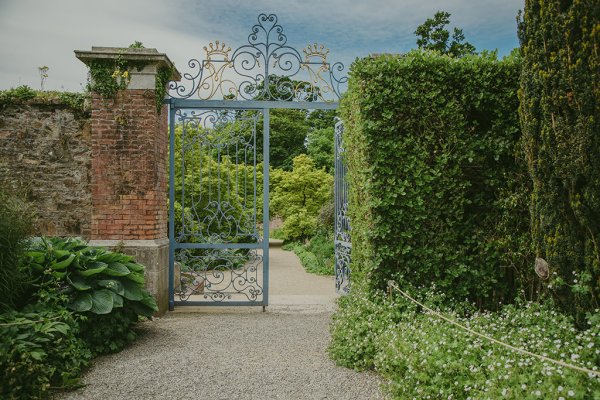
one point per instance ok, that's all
(421, 356)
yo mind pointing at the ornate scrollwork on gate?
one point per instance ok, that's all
(218, 274)
(266, 68)
(343, 246)
(216, 187)
(216, 190)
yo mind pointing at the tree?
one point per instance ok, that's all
(319, 145)
(433, 35)
(299, 196)
(560, 120)
(288, 129)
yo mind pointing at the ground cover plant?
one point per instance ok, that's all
(421, 356)
(317, 257)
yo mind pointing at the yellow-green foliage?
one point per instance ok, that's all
(560, 118)
(299, 196)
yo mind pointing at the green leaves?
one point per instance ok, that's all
(560, 121)
(102, 301)
(81, 303)
(112, 284)
(39, 350)
(93, 268)
(117, 269)
(132, 291)
(430, 143)
(79, 282)
(299, 196)
(98, 280)
(68, 259)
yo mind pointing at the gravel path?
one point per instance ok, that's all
(229, 354)
(250, 355)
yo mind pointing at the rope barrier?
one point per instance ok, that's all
(392, 284)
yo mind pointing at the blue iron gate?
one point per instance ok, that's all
(219, 193)
(343, 247)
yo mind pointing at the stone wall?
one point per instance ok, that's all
(45, 155)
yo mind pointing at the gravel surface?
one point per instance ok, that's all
(236, 353)
(239, 354)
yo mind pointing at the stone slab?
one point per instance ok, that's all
(154, 255)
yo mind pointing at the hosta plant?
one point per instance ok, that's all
(96, 280)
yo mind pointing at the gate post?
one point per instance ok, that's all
(129, 158)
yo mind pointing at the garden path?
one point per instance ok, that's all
(236, 353)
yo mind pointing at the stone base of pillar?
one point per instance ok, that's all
(154, 255)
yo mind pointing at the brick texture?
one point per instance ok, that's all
(128, 172)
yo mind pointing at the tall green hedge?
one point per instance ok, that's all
(560, 116)
(437, 192)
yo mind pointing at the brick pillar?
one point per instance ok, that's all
(129, 165)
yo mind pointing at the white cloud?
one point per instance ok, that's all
(35, 33)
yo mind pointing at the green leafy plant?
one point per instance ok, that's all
(420, 355)
(108, 76)
(115, 333)
(40, 350)
(96, 280)
(317, 256)
(104, 289)
(24, 94)
(299, 196)
(433, 35)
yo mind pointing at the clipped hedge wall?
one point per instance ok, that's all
(437, 193)
(560, 116)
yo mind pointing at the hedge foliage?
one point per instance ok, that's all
(437, 193)
(560, 117)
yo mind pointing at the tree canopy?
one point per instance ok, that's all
(433, 35)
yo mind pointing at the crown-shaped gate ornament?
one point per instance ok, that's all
(264, 69)
(315, 51)
(217, 49)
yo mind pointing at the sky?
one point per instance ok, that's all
(35, 33)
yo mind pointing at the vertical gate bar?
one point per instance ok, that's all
(171, 206)
(336, 194)
(266, 123)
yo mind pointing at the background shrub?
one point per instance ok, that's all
(433, 173)
(16, 221)
(560, 117)
(299, 195)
